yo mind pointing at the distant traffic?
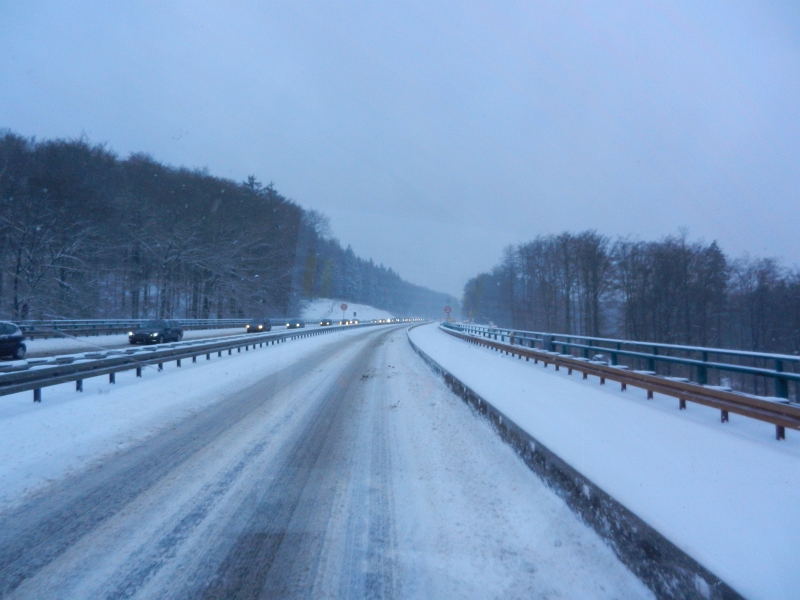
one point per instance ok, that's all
(154, 331)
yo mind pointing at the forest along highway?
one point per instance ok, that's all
(353, 473)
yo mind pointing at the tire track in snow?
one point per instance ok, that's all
(279, 553)
(34, 535)
(371, 481)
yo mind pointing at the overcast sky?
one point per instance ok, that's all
(435, 133)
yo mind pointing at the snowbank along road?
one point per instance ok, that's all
(349, 471)
(726, 494)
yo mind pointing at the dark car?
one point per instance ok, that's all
(325, 322)
(345, 322)
(156, 332)
(295, 324)
(11, 339)
(259, 325)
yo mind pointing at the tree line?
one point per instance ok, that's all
(673, 290)
(86, 234)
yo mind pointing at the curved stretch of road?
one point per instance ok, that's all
(351, 474)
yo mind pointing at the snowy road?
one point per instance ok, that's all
(74, 344)
(350, 473)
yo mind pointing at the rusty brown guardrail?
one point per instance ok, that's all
(780, 414)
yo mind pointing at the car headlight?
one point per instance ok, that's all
(130, 333)
(261, 327)
(154, 334)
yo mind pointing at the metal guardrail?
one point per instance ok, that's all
(87, 327)
(785, 368)
(778, 412)
(36, 374)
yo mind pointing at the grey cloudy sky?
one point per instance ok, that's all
(435, 133)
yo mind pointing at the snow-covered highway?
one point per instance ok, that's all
(336, 466)
(74, 344)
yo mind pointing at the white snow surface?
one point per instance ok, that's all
(470, 520)
(41, 442)
(727, 494)
(326, 308)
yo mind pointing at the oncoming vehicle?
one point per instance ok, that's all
(157, 332)
(259, 325)
(325, 322)
(345, 322)
(295, 324)
(11, 341)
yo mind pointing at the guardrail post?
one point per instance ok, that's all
(138, 373)
(614, 355)
(112, 378)
(702, 372)
(37, 395)
(586, 350)
(651, 362)
(178, 362)
(79, 385)
(781, 384)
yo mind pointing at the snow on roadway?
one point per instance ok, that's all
(325, 308)
(727, 494)
(472, 520)
(416, 486)
(69, 429)
(83, 343)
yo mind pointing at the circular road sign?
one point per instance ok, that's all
(447, 309)
(343, 306)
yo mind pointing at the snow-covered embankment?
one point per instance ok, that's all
(726, 494)
(325, 308)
